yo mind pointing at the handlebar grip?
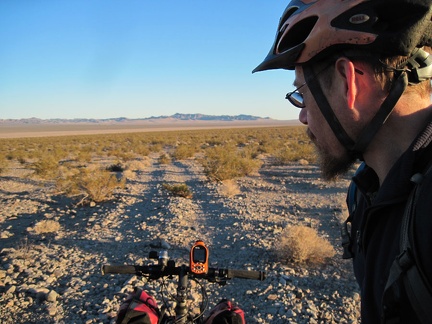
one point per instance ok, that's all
(246, 274)
(125, 269)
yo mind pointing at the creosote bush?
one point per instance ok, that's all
(293, 152)
(94, 184)
(46, 166)
(184, 151)
(179, 190)
(301, 244)
(225, 162)
(4, 163)
(100, 185)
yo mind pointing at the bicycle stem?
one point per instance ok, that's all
(181, 309)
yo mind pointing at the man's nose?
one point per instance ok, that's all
(303, 116)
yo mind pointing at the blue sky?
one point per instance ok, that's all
(139, 58)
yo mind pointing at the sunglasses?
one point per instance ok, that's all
(296, 97)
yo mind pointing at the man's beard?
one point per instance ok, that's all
(332, 167)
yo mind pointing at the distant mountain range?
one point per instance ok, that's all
(178, 116)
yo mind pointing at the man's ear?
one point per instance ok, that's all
(346, 71)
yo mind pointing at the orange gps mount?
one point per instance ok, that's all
(199, 258)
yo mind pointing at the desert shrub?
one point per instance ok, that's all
(20, 155)
(222, 163)
(301, 244)
(250, 151)
(95, 184)
(46, 166)
(99, 185)
(179, 190)
(184, 151)
(122, 155)
(4, 163)
(295, 151)
(142, 150)
(164, 159)
(46, 226)
(22, 249)
(155, 147)
(84, 156)
(68, 181)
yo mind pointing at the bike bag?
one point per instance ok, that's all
(225, 312)
(139, 308)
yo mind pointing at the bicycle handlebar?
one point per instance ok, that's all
(157, 271)
(246, 274)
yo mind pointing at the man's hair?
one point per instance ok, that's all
(424, 89)
(384, 68)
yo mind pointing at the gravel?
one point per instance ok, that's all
(56, 277)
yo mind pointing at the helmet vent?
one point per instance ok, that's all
(297, 34)
(286, 15)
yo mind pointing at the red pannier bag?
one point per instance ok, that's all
(139, 308)
(225, 312)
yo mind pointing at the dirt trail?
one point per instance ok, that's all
(241, 230)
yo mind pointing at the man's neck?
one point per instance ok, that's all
(394, 138)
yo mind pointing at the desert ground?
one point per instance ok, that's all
(56, 277)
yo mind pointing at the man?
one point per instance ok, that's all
(362, 78)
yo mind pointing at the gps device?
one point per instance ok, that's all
(199, 258)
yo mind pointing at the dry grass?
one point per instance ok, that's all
(301, 244)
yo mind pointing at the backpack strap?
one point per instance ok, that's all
(352, 202)
(405, 268)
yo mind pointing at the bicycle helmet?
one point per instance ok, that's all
(311, 30)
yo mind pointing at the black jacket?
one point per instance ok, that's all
(376, 228)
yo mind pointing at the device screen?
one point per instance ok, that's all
(199, 255)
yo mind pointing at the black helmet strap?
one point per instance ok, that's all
(325, 107)
(369, 132)
(356, 147)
